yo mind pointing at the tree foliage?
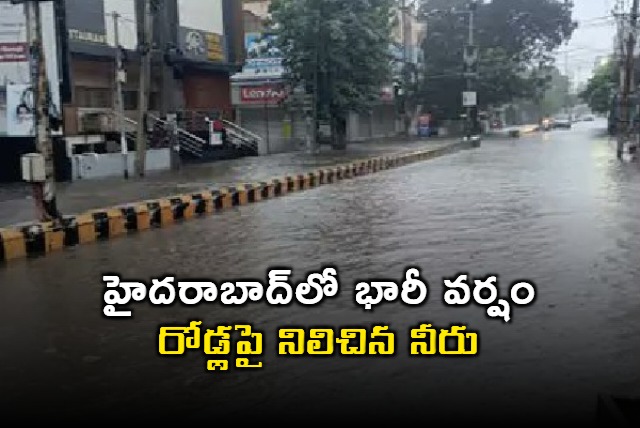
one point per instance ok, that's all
(345, 41)
(601, 87)
(516, 40)
(556, 95)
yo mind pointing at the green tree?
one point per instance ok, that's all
(343, 45)
(601, 87)
(516, 40)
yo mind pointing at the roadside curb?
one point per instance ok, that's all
(39, 239)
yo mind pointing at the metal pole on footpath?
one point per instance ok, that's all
(120, 79)
(628, 81)
(44, 192)
(145, 75)
(469, 81)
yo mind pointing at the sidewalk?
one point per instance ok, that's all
(17, 207)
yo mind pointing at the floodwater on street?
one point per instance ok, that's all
(557, 209)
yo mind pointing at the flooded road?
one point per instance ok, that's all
(557, 209)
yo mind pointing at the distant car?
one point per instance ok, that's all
(589, 118)
(562, 122)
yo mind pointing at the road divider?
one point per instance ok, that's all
(38, 239)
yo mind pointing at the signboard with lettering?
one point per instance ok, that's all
(262, 94)
(201, 34)
(86, 20)
(202, 46)
(91, 26)
(14, 52)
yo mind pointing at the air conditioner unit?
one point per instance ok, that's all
(94, 123)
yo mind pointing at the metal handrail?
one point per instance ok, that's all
(181, 131)
(190, 142)
(242, 130)
(240, 141)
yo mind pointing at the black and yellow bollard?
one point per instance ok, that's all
(12, 245)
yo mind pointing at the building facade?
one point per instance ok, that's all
(197, 44)
(258, 89)
(198, 48)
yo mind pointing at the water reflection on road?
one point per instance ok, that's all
(556, 209)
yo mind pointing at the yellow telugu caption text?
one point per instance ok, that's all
(218, 342)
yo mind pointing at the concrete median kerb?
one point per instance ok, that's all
(38, 239)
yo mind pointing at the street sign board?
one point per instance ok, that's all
(469, 99)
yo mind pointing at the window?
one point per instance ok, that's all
(94, 97)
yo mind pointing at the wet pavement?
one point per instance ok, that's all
(557, 209)
(16, 205)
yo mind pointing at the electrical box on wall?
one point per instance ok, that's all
(33, 168)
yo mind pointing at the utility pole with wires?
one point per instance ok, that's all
(146, 44)
(471, 64)
(628, 82)
(44, 191)
(120, 79)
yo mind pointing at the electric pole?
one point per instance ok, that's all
(44, 192)
(628, 82)
(316, 87)
(120, 77)
(168, 109)
(566, 75)
(405, 70)
(146, 44)
(471, 60)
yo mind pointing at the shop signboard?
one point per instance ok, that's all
(268, 93)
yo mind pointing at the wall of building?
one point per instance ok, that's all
(94, 166)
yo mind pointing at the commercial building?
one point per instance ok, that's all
(257, 90)
(198, 45)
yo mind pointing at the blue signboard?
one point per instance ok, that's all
(263, 58)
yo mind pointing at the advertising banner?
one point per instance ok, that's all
(15, 77)
(20, 118)
(263, 58)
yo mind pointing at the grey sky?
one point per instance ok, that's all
(592, 40)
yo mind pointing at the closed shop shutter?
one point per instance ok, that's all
(299, 127)
(210, 91)
(364, 125)
(384, 119)
(256, 119)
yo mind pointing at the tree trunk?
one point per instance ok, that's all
(339, 132)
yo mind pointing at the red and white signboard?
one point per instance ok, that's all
(14, 52)
(262, 94)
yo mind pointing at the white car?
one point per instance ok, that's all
(562, 122)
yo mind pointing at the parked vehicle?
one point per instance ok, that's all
(562, 122)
